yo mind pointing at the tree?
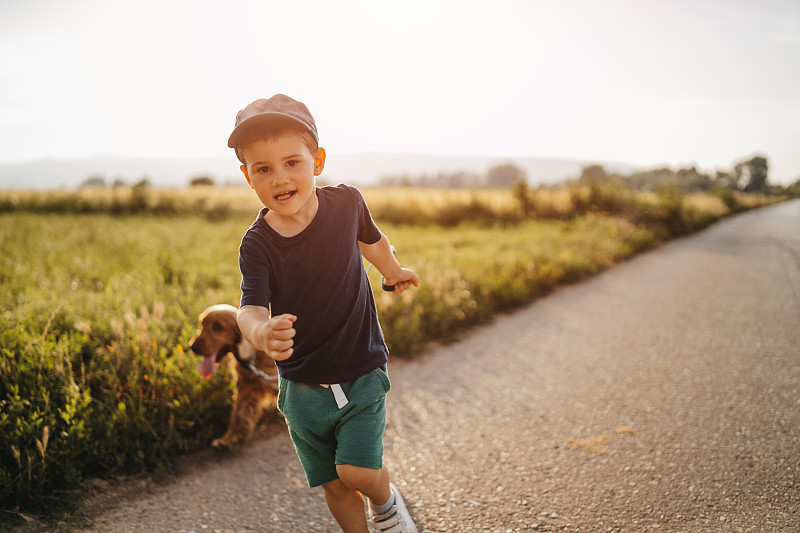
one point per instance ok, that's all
(505, 175)
(751, 176)
(724, 180)
(691, 180)
(201, 181)
(757, 169)
(94, 181)
(592, 174)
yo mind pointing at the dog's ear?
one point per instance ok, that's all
(247, 351)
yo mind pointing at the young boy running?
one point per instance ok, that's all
(306, 301)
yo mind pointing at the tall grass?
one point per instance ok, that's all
(398, 205)
(209, 202)
(96, 313)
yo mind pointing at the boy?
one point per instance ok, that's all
(306, 301)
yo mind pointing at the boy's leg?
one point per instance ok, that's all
(372, 483)
(346, 506)
(344, 498)
(387, 508)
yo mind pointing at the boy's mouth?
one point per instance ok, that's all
(285, 196)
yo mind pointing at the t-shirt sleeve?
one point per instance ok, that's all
(255, 275)
(368, 232)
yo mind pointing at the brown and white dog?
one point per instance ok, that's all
(255, 397)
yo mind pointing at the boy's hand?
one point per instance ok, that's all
(403, 281)
(276, 337)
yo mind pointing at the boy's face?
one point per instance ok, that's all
(281, 170)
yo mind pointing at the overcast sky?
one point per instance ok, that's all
(677, 82)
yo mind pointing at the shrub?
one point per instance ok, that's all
(43, 414)
(75, 404)
(102, 386)
(726, 195)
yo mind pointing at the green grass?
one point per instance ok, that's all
(94, 379)
(97, 310)
(471, 273)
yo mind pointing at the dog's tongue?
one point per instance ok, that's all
(208, 366)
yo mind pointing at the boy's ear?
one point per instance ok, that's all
(319, 162)
(246, 175)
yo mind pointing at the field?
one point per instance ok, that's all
(100, 294)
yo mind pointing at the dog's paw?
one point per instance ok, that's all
(222, 445)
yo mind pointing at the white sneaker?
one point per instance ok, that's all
(397, 519)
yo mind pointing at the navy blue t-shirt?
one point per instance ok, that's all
(318, 275)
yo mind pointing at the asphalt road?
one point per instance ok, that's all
(661, 395)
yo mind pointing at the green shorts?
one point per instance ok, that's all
(325, 435)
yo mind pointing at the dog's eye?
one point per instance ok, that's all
(216, 326)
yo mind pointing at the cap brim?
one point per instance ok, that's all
(265, 121)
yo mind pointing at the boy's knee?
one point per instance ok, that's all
(337, 489)
(357, 477)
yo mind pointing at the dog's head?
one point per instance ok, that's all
(218, 336)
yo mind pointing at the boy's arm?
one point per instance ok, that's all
(274, 336)
(381, 257)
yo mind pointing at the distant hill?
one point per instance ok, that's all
(70, 173)
(358, 169)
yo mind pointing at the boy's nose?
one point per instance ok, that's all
(280, 177)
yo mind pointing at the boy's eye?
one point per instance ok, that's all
(263, 169)
(292, 162)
